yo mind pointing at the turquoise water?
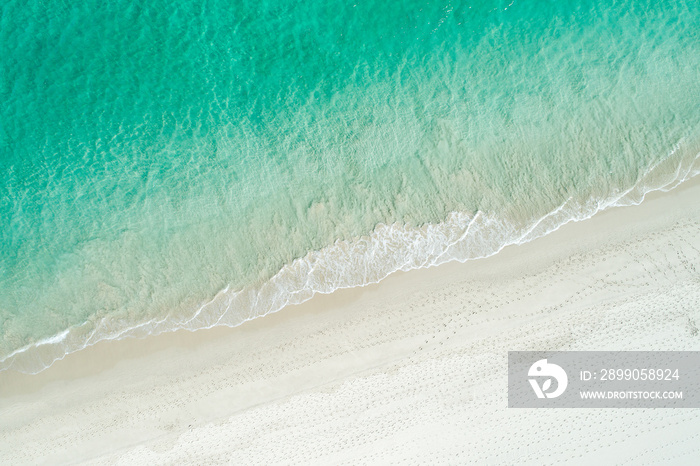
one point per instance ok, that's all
(186, 164)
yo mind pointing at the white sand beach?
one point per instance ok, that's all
(411, 370)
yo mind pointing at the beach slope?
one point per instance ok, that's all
(413, 368)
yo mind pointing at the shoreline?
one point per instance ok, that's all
(135, 346)
(359, 254)
(187, 383)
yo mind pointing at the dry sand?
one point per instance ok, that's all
(413, 369)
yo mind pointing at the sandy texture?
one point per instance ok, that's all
(413, 369)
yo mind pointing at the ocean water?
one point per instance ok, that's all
(186, 164)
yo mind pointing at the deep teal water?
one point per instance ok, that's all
(157, 156)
